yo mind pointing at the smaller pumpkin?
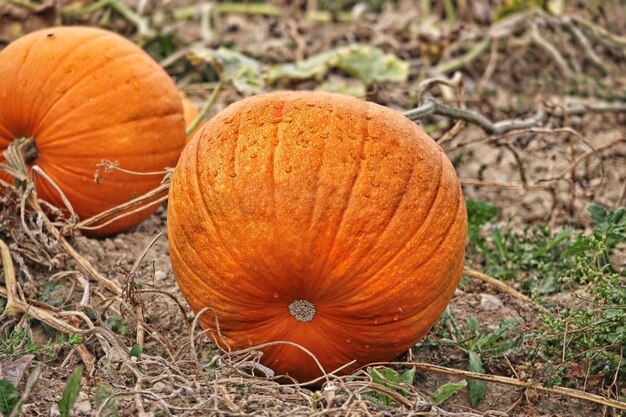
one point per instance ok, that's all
(78, 96)
(191, 114)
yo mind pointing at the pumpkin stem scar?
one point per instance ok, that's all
(20, 154)
(302, 310)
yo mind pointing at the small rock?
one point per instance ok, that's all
(119, 243)
(83, 406)
(160, 275)
(489, 302)
(54, 411)
(458, 292)
(161, 388)
(108, 245)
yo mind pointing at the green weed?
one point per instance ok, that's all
(585, 339)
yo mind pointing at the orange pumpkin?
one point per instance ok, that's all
(191, 113)
(84, 95)
(318, 219)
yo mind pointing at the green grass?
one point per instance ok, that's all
(571, 344)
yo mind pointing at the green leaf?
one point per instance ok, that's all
(598, 213)
(314, 67)
(477, 389)
(508, 8)
(409, 376)
(612, 313)
(374, 398)
(8, 397)
(480, 212)
(356, 89)
(365, 63)
(578, 248)
(70, 392)
(117, 324)
(240, 70)
(385, 376)
(103, 392)
(446, 391)
(52, 293)
(135, 351)
(558, 239)
(370, 64)
(498, 242)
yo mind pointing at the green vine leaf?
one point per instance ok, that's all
(70, 392)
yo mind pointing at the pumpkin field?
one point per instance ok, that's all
(313, 208)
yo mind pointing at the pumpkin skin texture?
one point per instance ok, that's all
(318, 197)
(86, 95)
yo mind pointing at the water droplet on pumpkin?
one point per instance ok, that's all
(253, 155)
(376, 183)
(275, 295)
(108, 54)
(370, 166)
(408, 245)
(232, 174)
(396, 317)
(348, 340)
(60, 89)
(367, 346)
(24, 83)
(375, 321)
(288, 169)
(324, 135)
(215, 173)
(71, 105)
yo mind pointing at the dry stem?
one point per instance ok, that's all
(503, 287)
(566, 392)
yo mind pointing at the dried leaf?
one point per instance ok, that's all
(13, 371)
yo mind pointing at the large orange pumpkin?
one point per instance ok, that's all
(84, 95)
(318, 219)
